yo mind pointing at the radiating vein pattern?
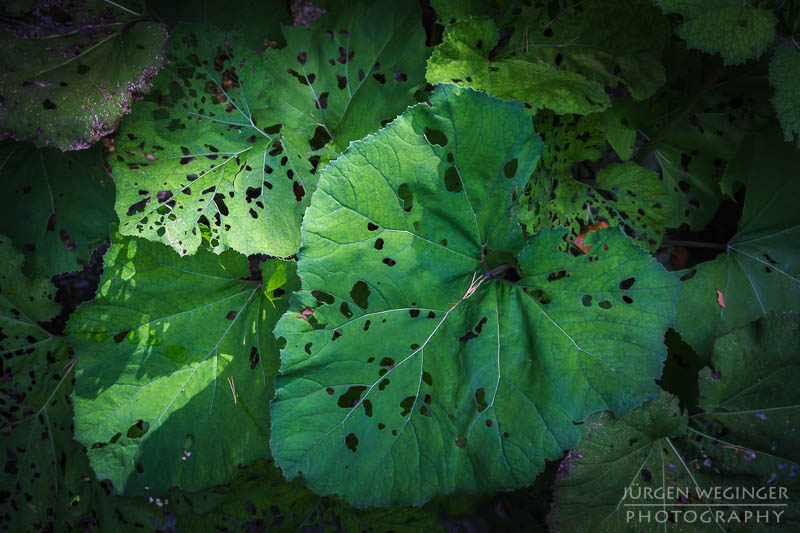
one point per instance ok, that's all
(416, 361)
(177, 358)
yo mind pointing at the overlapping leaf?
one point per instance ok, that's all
(415, 364)
(760, 272)
(72, 69)
(563, 62)
(734, 29)
(744, 439)
(57, 207)
(176, 367)
(227, 150)
(784, 71)
(258, 497)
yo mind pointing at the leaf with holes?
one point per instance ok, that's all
(176, 367)
(430, 349)
(742, 440)
(57, 206)
(464, 58)
(784, 71)
(760, 270)
(36, 373)
(225, 151)
(73, 69)
(731, 28)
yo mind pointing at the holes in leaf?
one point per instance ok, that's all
(119, 337)
(452, 181)
(646, 475)
(367, 408)
(689, 275)
(137, 430)
(383, 384)
(360, 294)
(321, 138)
(627, 283)
(379, 244)
(605, 304)
(480, 399)
(351, 441)
(510, 168)
(435, 137)
(345, 310)
(381, 426)
(367, 325)
(488, 423)
(388, 261)
(414, 313)
(302, 56)
(307, 347)
(407, 404)
(329, 390)
(400, 77)
(379, 77)
(350, 398)
(323, 298)
(461, 441)
(405, 194)
(322, 102)
(559, 274)
(231, 315)
(371, 226)
(539, 295)
(254, 357)
(427, 379)
(299, 191)
(336, 334)
(586, 300)
(48, 105)
(627, 299)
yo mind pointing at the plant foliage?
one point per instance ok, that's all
(448, 265)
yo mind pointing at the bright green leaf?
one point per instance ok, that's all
(732, 28)
(784, 71)
(71, 73)
(760, 272)
(226, 149)
(176, 368)
(57, 206)
(409, 370)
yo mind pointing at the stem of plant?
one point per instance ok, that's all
(695, 244)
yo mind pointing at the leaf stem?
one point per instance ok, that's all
(711, 80)
(695, 244)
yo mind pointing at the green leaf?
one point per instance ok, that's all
(54, 489)
(736, 31)
(760, 272)
(463, 58)
(613, 43)
(231, 15)
(615, 455)
(448, 11)
(259, 495)
(57, 207)
(227, 149)
(639, 202)
(784, 71)
(72, 71)
(409, 370)
(742, 439)
(176, 368)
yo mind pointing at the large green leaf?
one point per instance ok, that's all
(226, 150)
(176, 367)
(414, 364)
(744, 439)
(72, 69)
(760, 271)
(57, 207)
(48, 484)
(732, 28)
(784, 71)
